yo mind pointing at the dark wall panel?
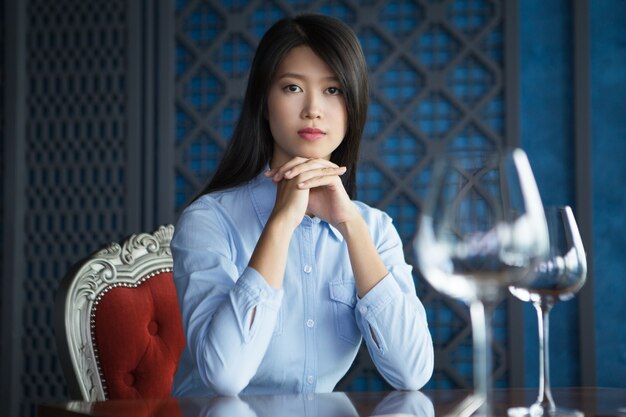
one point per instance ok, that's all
(547, 134)
(75, 159)
(608, 81)
(3, 35)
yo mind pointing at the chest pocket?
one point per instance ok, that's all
(343, 296)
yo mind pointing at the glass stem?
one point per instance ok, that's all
(544, 399)
(481, 336)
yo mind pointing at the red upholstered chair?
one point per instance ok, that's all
(118, 325)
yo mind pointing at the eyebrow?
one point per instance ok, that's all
(302, 77)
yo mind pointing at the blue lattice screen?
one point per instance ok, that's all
(436, 70)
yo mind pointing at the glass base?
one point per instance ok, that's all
(536, 410)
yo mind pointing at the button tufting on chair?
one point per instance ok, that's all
(153, 328)
(129, 379)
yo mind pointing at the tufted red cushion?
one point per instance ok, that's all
(139, 337)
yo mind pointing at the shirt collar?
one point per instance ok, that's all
(263, 193)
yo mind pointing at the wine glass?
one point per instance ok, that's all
(482, 228)
(558, 278)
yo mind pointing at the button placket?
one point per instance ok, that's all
(307, 260)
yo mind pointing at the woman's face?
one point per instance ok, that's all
(306, 108)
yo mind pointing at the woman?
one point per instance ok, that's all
(279, 274)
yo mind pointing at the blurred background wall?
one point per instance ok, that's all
(115, 112)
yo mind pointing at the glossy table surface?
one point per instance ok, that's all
(591, 401)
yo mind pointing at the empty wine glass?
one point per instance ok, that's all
(558, 278)
(482, 229)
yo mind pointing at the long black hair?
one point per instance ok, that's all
(251, 145)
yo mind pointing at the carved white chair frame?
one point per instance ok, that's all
(138, 258)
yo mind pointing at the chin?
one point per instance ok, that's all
(314, 155)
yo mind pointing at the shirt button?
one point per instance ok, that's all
(310, 379)
(363, 309)
(263, 293)
(308, 269)
(310, 323)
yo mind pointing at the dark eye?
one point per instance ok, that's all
(292, 88)
(334, 91)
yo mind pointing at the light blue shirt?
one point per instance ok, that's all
(304, 336)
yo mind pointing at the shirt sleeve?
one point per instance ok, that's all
(228, 314)
(393, 320)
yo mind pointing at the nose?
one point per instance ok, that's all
(312, 107)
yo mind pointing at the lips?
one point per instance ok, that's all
(311, 133)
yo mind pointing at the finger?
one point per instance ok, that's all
(311, 165)
(318, 182)
(278, 172)
(311, 179)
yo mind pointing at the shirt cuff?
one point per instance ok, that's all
(252, 292)
(379, 297)
(254, 288)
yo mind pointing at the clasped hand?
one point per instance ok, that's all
(311, 186)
